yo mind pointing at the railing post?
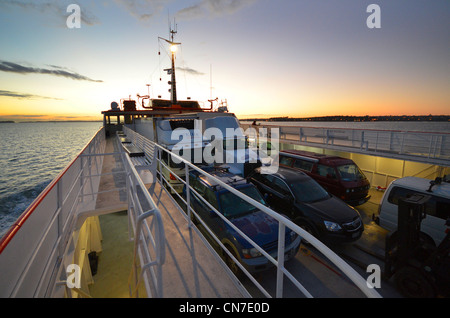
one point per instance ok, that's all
(280, 259)
(82, 179)
(403, 141)
(188, 196)
(59, 210)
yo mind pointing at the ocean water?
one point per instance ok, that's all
(31, 156)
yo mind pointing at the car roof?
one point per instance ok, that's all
(290, 174)
(331, 160)
(421, 184)
(223, 175)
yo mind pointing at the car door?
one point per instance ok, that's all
(196, 202)
(327, 178)
(263, 182)
(204, 211)
(212, 219)
(282, 197)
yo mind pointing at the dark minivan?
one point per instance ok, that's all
(339, 176)
(296, 195)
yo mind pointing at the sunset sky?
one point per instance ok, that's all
(297, 58)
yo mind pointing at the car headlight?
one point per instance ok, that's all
(251, 252)
(331, 226)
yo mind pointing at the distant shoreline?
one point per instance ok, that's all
(422, 118)
(50, 121)
(426, 118)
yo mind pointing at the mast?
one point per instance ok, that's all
(173, 83)
(171, 71)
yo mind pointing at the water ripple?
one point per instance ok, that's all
(31, 155)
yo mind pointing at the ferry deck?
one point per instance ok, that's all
(108, 211)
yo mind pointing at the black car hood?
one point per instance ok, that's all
(333, 209)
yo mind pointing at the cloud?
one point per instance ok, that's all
(57, 8)
(213, 8)
(44, 118)
(24, 95)
(190, 71)
(54, 70)
(144, 10)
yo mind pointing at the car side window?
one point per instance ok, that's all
(287, 161)
(326, 171)
(280, 186)
(164, 157)
(267, 179)
(197, 186)
(304, 165)
(397, 193)
(436, 206)
(210, 196)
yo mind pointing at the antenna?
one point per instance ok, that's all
(171, 71)
(173, 31)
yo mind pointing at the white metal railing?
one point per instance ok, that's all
(284, 223)
(38, 247)
(427, 147)
(149, 238)
(31, 252)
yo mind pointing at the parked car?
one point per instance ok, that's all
(295, 194)
(437, 209)
(257, 225)
(339, 176)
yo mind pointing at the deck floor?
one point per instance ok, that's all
(190, 270)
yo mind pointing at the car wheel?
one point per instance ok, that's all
(232, 265)
(308, 228)
(411, 283)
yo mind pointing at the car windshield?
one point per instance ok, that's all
(308, 190)
(233, 206)
(350, 172)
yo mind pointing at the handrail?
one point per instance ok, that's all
(4, 241)
(57, 205)
(426, 147)
(143, 236)
(359, 281)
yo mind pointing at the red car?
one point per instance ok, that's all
(339, 176)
